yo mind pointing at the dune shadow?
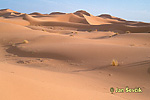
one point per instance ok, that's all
(21, 53)
(102, 37)
(136, 64)
(92, 69)
(140, 64)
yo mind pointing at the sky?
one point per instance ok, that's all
(135, 10)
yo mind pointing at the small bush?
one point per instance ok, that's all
(128, 32)
(76, 32)
(96, 30)
(114, 62)
(51, 27)
(90, 30)
(25, 41)
(71, 35)
(43, 30)
(117, 33)
(110, 35)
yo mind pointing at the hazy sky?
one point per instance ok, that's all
(128, 9)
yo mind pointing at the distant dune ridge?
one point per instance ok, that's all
(8, 13)
(81, 13)
(72, 56)
(111, 17)
(81, 20)
(36, 13)
(56, 13)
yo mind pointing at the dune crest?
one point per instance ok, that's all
(56, 13)
(81, 13)
(8, 10)
(36, 13)
(111, 17)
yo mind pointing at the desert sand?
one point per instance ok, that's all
(68, 56)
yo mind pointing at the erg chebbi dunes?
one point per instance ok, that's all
(72, 56)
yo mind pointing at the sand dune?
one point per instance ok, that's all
(56, 13)
(111, 17)
(80, 20)
(18, 21)
(36, 13)
(81, 13)
(9, 13)
(87, 23)
(36, 21)
(68, 56)
(65, 18)
(93, 20)
(8, 10)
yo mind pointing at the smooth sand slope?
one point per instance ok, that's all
(61, 56)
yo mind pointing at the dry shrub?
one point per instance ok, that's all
(90, 30)
(25, 41)
(110, 35)
(114, 62)
(128, 32)
(117, 33)
(71, 35)
(76, 32)
(43, 30)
